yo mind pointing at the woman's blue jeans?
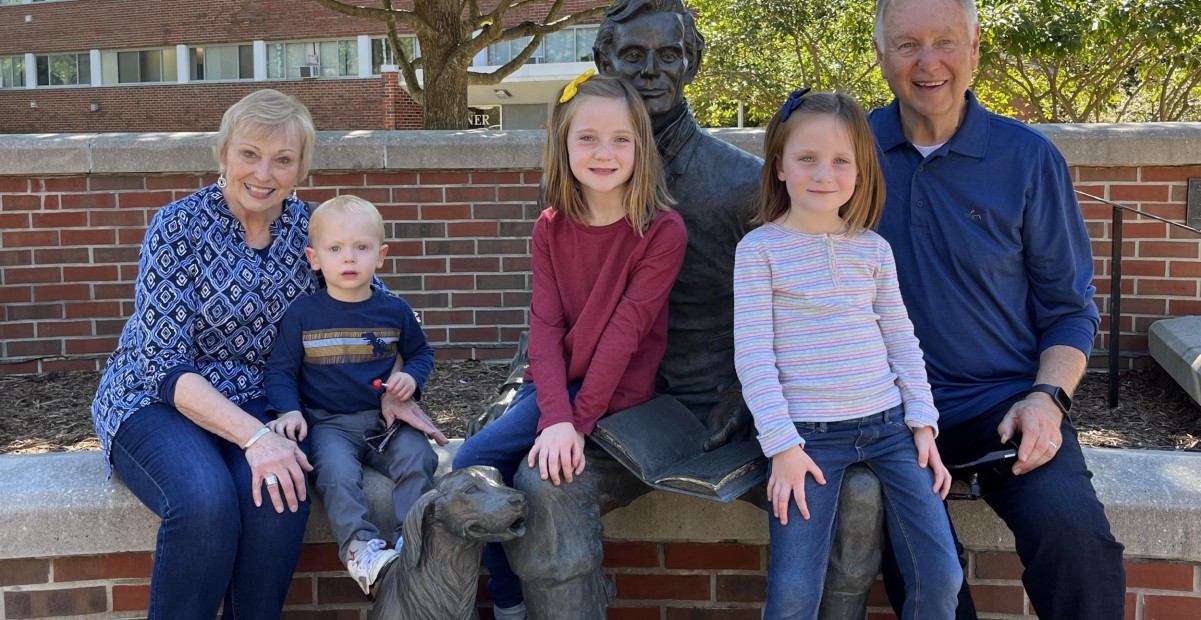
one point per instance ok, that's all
(913, 514)
(214, 546)
(504, 444)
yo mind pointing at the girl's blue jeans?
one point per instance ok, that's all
(504, 444)
(214, 546)
(916, 521)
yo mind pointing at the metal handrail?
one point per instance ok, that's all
(1115, 284)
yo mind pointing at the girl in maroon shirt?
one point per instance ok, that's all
(605, 256)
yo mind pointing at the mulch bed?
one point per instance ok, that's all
(52, 412)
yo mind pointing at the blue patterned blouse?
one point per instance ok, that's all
(204, 302)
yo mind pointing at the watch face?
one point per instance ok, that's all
(1055, 392)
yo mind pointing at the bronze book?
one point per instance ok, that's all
(662, 443)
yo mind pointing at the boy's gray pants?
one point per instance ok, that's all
(339, 455)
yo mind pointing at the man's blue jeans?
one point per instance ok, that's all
(1073, 563)
(504, 444)
(913, 514)
(214, 546)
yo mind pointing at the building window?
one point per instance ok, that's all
(567, 45)
(381, 52)
(12, 71)
(136, 66)
(313, 59)
(64, 69)
(221, 62)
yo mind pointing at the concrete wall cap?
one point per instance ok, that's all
(62, 505)
(1125, 144)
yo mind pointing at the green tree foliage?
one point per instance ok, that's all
(449, 34)
(757, 51)
(1092, 60)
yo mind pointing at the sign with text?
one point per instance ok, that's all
(483, 117)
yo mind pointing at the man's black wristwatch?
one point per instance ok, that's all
(1061, 398)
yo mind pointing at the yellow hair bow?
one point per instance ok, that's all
(570, 90)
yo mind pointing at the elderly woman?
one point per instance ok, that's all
(180, 410)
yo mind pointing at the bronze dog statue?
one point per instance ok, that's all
(437, 574)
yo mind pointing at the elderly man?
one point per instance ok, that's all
(995, 267)
(654, 45)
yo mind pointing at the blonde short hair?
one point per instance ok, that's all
(345, 204)
(269, 112)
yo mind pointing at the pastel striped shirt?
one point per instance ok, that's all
(821, 333)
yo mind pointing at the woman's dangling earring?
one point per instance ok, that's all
(294, 196)
(221, 182)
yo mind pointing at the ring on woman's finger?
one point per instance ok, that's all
(271, 479)
(1053, 445)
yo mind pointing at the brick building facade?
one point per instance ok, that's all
(134, 65)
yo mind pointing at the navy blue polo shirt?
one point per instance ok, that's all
(994, 262)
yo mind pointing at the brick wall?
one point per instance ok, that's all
(336, 104)
(459, 253)
(655, 581)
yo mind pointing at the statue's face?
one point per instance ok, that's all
(648, 51)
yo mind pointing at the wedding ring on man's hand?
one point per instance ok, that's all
(1053, 445)
(271, 480)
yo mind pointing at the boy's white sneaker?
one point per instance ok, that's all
(367, 561)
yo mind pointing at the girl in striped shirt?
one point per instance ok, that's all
(829, 364)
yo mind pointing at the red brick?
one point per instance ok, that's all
(99, 185)
(10, 330)
(34, 312)
(445, 178)
(1177, 174)
(11, 184)
(143, 200)
(88, 201)
(59, 329)
(118, 566)
(468, 300)
(32, 275)
(417, 194)
(504, 246)
(448, 317)
(122, 290)
(1168, 249)
(89, 273)
(1144, 230)
(335, 589)
(499, 211)
(16, 294)
(446, 212)
(374, 195)
(13, 221)
(1160, 576)
(301, 592)
(631, 613)
(134, 217)
(56, 256)
(75, 365)
(999, 599)
(532, 177)
(59, 219)
(500, 317)
(712, 613)
(631, 555)
(1174, 287)
(33, 348)
(80, 346)
(517, 299)
(517, 194)
(712, 556)
(516, 263)
(477, 264)
(1152, 268)
(89, 237)
(24, 572)
(1138, 193)
(501, 281)
(1171, 607)
(516, 229)
(417, 230)
(126, 254)
(318, 195)
(741, 588)
(406, 247)
(482, 354)
(418, 265)
(634, 586)
(319, 558)
(450, 282)
(58, 603)
(1183, 269)
(62, 292)
(473, 334)
(391, 178)
(471, 229)
(172, 182)
(485, 193)
(877, 615)
(21, 202)
(93, 310)
(131, 597)
(16, 258)
(496, 178)
(1183, 307)
(29, 238)
(1088, 173)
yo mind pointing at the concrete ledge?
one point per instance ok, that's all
(62, 505)
(1176, 345)
(1132, 144)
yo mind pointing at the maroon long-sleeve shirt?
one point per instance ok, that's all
(599, 313)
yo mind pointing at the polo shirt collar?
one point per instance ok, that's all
(970, 139)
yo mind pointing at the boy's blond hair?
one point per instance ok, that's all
(345, 204)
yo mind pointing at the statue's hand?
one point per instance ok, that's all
(729, 420)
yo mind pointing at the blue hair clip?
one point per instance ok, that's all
(794, 101)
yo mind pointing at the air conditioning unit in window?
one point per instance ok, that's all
(307, 72)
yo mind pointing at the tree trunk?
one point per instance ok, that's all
(444, 67)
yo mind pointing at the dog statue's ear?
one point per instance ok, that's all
(420, 515)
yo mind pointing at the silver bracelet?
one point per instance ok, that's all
(255, 437)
